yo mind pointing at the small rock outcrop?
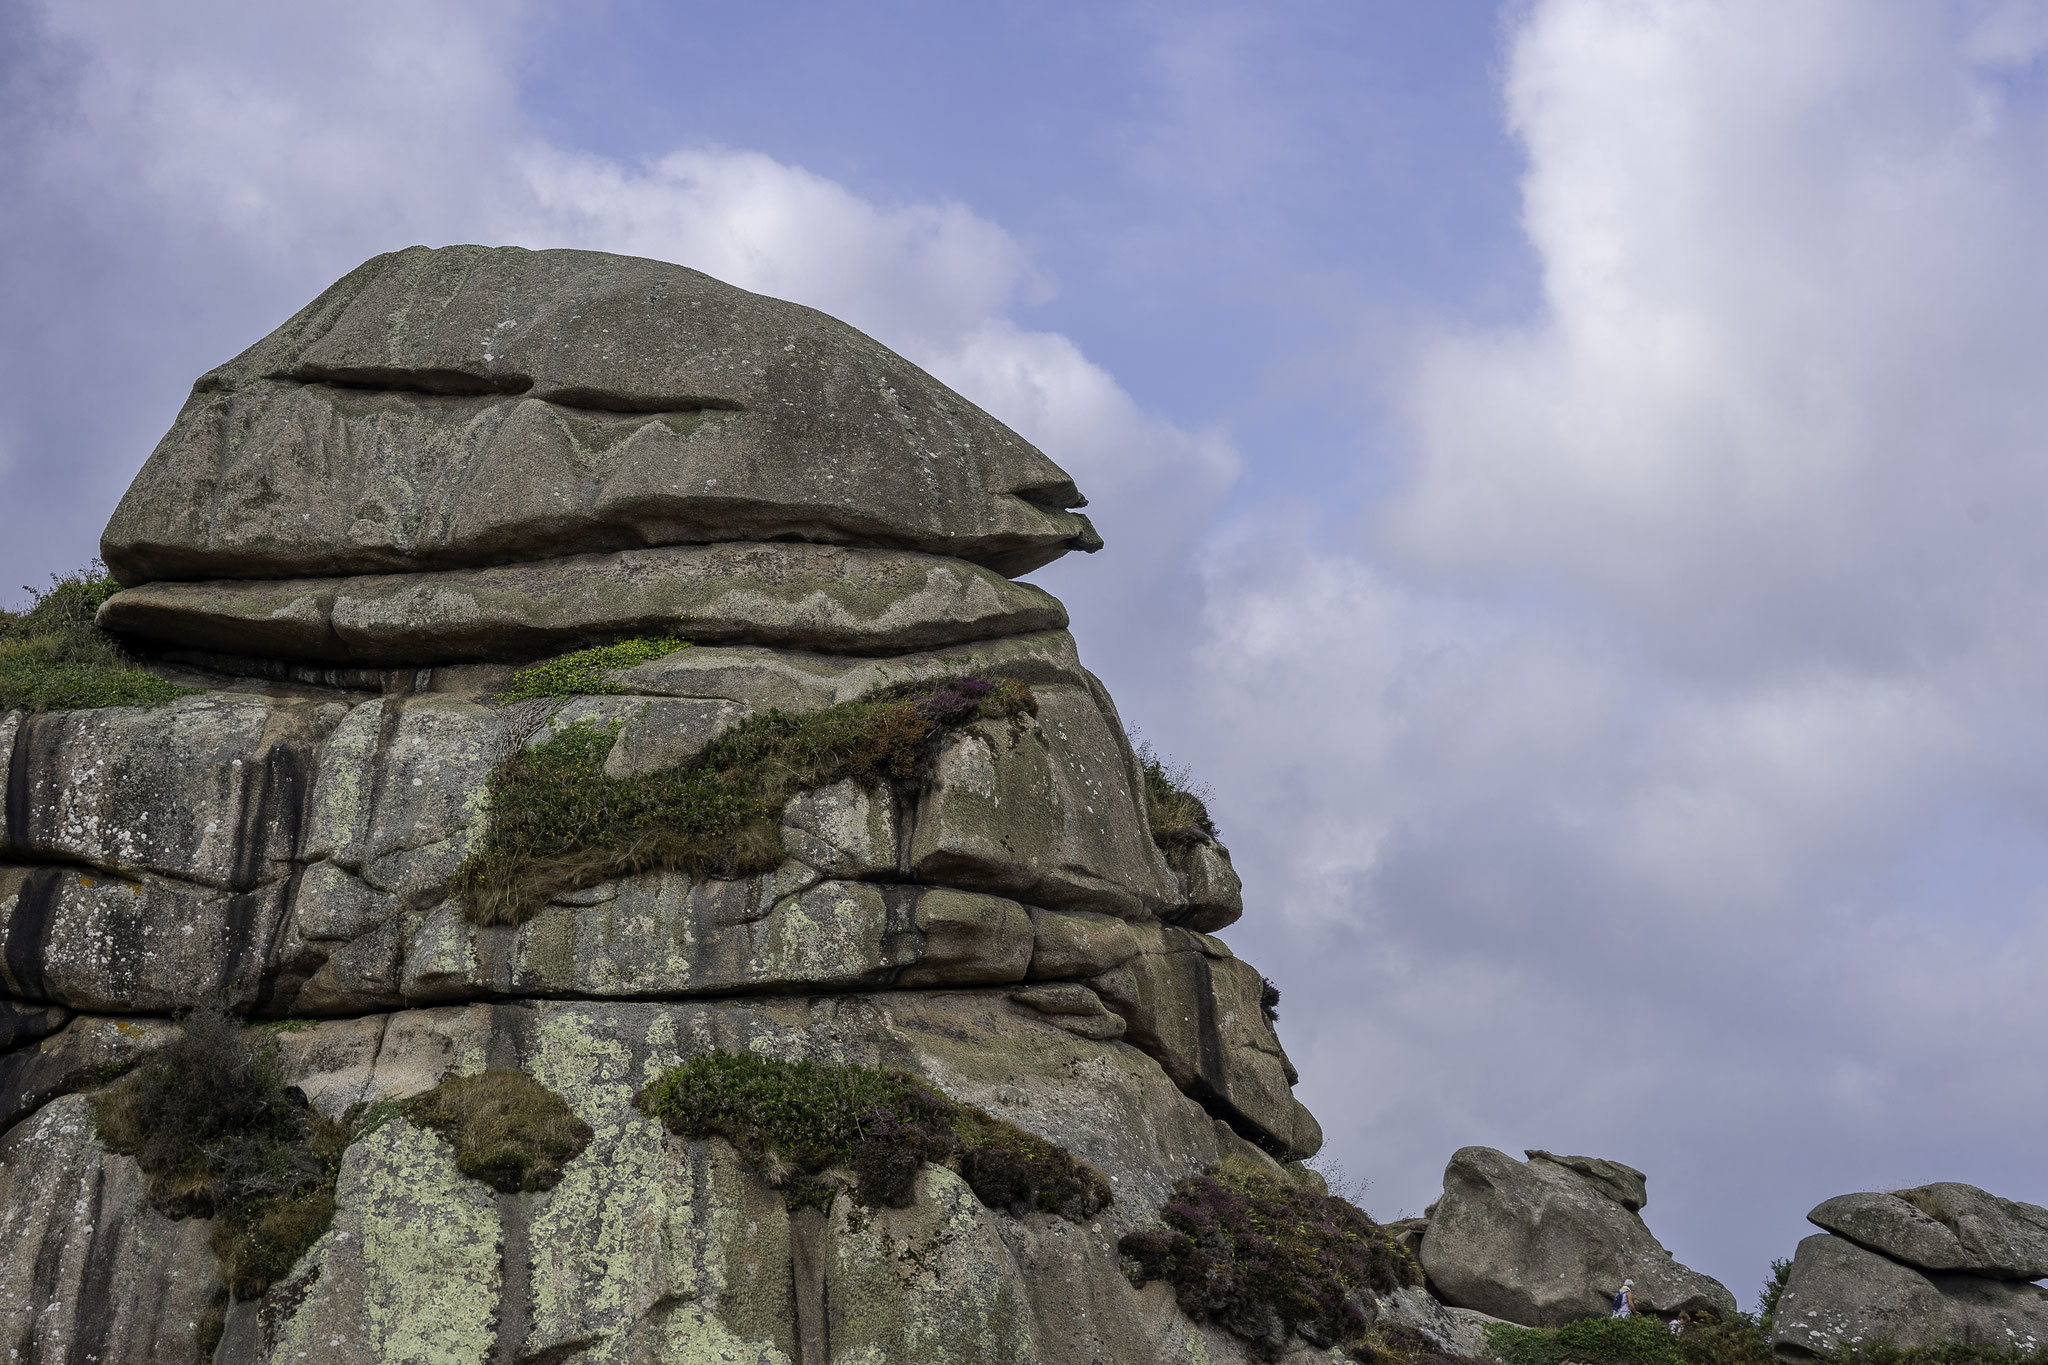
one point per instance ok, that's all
(1943, 1262)
(360, 543)
(1546, 1242)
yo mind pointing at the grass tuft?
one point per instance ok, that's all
(1174, 802)
(220, 1135)
(557, 823)
(1267, 1260)
(53, 658)
(800, 1121)
(508, 1130)
(586, 672)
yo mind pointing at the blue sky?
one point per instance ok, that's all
(1571, 470)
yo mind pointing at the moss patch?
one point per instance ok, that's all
(508, 1130)
(587, 672)
(53, 658)
(220, 1135)
(798, 1121)
(557, 823)
(1266, 1260)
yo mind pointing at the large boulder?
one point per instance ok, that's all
(454, 464)
(1542, 1244)
(469, 406)
(1840, 1294)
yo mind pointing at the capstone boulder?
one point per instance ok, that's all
(1542, 1244)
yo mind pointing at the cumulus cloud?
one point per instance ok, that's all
(226, 164)
(1664, 772)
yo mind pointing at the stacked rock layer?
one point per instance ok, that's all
(457, 461)
(1941, 1263)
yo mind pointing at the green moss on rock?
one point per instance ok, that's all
(1267, 1260)
(558, 823)
(508, 1130)
(587, 672)
(799, 1122)
(53, 658)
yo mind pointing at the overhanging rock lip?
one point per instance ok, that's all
(824, 598)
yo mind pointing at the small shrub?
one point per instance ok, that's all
(1737, 1341)
(1767, 1299)
(798, 1121)
(557, 823)
(508, 1130)
(53, 658)
(1266, 1260)
(1174, 803)
(220, 1135)
(1640, 1340)
(586, 672)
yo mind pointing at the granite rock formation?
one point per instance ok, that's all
(451, 464)
(1943, 1262)
(1548, 1241)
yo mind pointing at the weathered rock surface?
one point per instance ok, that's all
(1541, 1244)
(88, 1271)
(1625, 1185)
(1944, 1227)
(470, 406)
(1839, 1294)
(456, 462)
(820, 597)
(651, 1248)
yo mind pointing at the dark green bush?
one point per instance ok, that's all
(1767, 1300)
(586, 672)
(220, 1135)
(1643, 1340)
(557, 823)
(53, 658)
(508, 1130)
(797, 1121)
(1266, 1259)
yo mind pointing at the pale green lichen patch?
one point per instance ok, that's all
(429, 1242)
(934, 1281)
(640, 1225)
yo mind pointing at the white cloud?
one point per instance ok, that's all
(237, 158)
(1665, 776)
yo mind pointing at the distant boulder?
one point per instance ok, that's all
(1839, 1293)
(1548, 1241)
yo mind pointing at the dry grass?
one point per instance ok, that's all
(508, 1130)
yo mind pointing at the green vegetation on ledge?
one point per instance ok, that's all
(508, 1130)
(220, 1135)
(798, 1121)
(1174, 804)
(587, 672)
(53, 658)
(557, 823)
(1267, 1260)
